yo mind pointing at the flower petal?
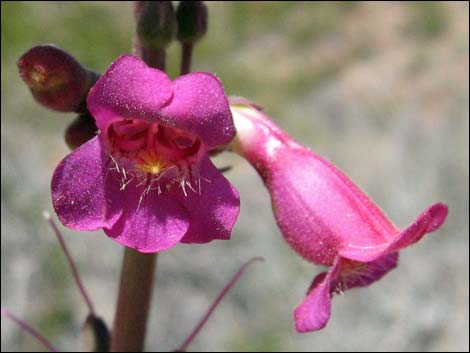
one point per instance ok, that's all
(199, 106)
(151, 224)
(427, 222)
(81, 197)
(214, 211)
(315, 310)
(129, 89)
(320, 210)
(354, 274)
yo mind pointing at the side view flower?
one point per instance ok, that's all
(323, 215)
(146, 179)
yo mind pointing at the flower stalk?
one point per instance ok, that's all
(192, 26)
(135, 294)
(186, 55)
(154, 57)
(156, 27)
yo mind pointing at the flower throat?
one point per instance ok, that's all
(154, 154)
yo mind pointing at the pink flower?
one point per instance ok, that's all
(323, 215)
(146, 179)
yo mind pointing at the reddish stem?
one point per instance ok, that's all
(135, 294)
(71, 263)
(29, 329)
(216, 302)
(154, 57)
(186, 56)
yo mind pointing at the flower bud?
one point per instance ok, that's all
(55, 78)
(156, 23)
(82, 129)
(192, 21)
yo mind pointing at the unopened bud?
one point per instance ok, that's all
(82, 129)
(192, 21)
(55, 78)
(95, 336)
(156, 23)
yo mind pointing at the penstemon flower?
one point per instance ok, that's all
(323, 215)
(146, 179)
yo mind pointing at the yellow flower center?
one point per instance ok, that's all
(149, 162)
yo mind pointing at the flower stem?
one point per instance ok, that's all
(154, 57)
(71, 263)
(135, 294)
(184, 346)
(186, 55)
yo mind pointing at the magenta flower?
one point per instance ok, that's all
(323, 215)
(146, 179)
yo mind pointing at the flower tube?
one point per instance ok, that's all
(323, 215)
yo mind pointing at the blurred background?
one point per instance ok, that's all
(380, 89)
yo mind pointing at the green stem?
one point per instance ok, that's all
(135, 294)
